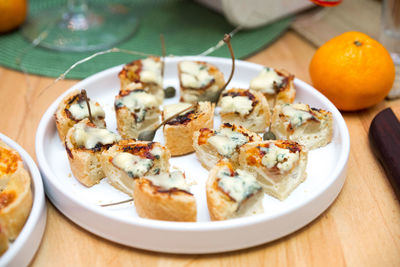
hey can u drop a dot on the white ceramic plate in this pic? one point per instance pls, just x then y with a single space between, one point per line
22 250
326 174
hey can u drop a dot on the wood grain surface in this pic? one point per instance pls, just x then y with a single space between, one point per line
361 228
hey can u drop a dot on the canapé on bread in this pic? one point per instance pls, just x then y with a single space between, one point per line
311 127
165 197
178 133
212 145
199 81
247 108
279 165
72 109
128 160
84 144
232 193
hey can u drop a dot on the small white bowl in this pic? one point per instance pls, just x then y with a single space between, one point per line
22 250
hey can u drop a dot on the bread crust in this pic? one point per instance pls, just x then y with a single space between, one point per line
118 177
259 117
64 122
178 137
3 240
172 205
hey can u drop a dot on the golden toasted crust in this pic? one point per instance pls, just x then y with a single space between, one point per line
154 203
3 240
64 122
178 136
258 118
192 95
119 178
314 133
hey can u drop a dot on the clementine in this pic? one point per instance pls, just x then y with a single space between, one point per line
12 14
353 70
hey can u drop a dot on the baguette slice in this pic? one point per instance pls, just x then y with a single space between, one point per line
247 108
232 193
280 166
84 144
276 85
146 74
165 197
199 81
136 111
128 160
72 109
212 145
310 127
178 133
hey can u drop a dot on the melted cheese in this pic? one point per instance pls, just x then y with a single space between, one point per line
264 82
169 181
172 109
240 186
282 158
89 137
79 110
194 75
133 165
227 141
297 116
151 71
137 102
240 104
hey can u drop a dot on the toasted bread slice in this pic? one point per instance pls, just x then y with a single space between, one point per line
84 144
15 193
129 160
136 111
280 166
146 74
178 133
72 109
312 128
232 193
212 145
247 108
276 85
199 81
165 197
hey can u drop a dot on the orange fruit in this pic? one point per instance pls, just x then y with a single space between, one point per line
12 14
353 70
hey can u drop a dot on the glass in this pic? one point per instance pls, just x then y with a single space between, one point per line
81 26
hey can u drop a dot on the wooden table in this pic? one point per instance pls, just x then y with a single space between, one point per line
361 228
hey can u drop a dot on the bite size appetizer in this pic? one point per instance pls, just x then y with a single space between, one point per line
247 108
73 108
178 133
15 195
165 197
232 193
310 127
213 145
128 160
280 166
276 85
199 81
84 144
136 111
146 73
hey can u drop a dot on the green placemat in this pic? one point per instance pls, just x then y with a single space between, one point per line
188 28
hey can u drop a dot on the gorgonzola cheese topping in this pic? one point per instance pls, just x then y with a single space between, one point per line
240 104
79 110
172 109
227 141
137 102
194 75
296 116
89 137
151 71
240 186
133 165
264 82
282 158
168 181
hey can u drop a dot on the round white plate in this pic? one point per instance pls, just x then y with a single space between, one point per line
326 174
22 250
